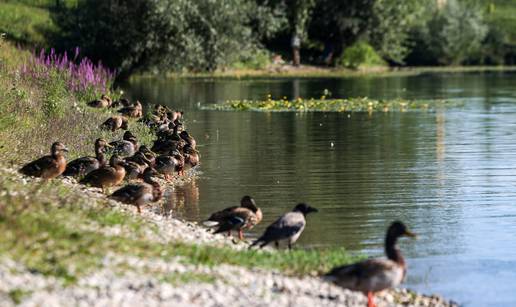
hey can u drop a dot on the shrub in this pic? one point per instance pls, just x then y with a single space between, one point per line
455 33
360 54
151 35
81 78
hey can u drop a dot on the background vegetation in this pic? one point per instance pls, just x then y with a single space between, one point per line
199 36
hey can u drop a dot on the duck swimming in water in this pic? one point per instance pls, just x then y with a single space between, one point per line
48 167
374 275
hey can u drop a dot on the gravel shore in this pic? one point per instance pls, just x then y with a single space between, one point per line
125 280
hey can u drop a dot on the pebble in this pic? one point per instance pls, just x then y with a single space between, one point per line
143 284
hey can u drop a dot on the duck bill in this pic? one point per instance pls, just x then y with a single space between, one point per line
312 209
410 234
108 145
65 149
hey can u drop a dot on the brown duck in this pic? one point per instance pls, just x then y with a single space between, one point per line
127 146
107 176
122 102
48 167
188 139
140 194
84 165
104 102
374 275
191 156
115 122
134 111
245 216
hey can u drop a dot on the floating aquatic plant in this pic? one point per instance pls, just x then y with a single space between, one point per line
323 104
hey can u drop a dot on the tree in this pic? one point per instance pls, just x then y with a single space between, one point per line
157 35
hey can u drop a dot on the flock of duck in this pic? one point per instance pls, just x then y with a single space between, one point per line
173 150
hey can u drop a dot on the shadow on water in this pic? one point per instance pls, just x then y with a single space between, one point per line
450 175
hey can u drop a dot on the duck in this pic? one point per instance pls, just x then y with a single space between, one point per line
104 102
180 164
50 166
148 154
127 146
134 111
287 227
107 176
84 165
166 165
245 216
374 275
168 141
133 170
140 194
188 139
114 123
191 156
122 102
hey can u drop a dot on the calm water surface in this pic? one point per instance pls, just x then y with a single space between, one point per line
450 175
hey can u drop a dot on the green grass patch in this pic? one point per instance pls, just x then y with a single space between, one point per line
17 295
26 24
323 104
41 227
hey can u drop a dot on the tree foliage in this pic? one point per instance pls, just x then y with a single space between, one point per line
175 35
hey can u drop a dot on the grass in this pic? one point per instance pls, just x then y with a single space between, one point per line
323 104
55 229
43 226
36 112
26 24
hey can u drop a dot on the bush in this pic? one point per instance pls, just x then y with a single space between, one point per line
360 54
455 33
178 35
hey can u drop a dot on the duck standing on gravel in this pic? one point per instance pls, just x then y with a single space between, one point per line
82 166
50 166
114 123
107 176
140 194
245 216
373 275
127 146
286 228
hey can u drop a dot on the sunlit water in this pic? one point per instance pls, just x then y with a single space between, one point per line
450 175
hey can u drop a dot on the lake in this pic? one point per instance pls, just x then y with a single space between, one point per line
449 175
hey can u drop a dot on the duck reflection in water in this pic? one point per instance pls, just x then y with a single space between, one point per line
182 200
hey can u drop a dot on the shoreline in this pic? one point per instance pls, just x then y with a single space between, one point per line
308 71
126 279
